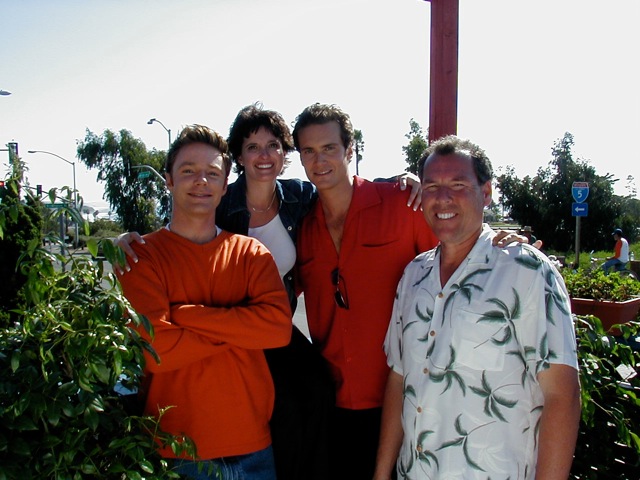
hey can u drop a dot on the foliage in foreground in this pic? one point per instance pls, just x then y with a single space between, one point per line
63 352
608 441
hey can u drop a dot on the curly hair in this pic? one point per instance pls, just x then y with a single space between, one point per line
249 120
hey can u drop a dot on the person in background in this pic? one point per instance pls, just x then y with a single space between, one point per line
215 301
620 253
484 372
527 231
352 249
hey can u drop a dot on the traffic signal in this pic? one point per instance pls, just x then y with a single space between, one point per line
3 190
39 190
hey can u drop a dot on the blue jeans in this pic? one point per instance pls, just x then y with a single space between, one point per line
252 466
614 264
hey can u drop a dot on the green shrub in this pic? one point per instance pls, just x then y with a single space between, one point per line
22 225
596 285
63 351
608 440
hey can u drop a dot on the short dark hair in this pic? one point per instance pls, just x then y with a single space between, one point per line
454 144
198 134
318 114
249 120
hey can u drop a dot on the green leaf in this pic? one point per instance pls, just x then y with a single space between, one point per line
92 246
15 360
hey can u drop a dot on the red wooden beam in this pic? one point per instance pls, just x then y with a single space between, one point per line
443 93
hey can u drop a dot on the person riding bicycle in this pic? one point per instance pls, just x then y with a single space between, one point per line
620 253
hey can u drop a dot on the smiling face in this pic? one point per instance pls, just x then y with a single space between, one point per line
323 155
197 180
262 156
453 199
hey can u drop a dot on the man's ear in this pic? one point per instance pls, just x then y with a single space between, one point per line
349 153
487 191
168 180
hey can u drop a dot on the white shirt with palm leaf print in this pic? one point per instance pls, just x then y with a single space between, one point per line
469 354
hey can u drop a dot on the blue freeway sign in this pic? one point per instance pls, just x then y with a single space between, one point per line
579 209
580 191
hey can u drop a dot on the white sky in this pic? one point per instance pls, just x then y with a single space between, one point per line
529 72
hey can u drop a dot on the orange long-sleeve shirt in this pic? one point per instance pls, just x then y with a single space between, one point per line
213 307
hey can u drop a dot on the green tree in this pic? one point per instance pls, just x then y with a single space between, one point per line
545 200
418 142
139 204
358 145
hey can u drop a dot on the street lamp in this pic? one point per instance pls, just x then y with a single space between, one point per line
167 129
75 191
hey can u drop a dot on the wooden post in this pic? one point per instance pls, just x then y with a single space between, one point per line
443 94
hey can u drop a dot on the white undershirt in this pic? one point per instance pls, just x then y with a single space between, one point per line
274 236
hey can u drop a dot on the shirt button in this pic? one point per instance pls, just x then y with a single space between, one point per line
440 295
419 449
425 370
289 228
419 409
432 333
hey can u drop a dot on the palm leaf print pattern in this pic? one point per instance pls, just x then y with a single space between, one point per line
487 375
463 440
448 374
493 402
465 288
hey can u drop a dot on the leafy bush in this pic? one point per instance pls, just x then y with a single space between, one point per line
103 228
22 225
596 285
608 441
63 352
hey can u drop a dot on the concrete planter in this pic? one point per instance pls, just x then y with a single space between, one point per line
610 313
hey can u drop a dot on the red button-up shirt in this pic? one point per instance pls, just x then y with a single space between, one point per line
381 236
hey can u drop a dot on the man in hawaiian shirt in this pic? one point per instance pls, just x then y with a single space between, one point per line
484 380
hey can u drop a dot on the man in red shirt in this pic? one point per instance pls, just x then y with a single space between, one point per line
352 249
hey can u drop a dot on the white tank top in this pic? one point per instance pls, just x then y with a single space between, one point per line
275 237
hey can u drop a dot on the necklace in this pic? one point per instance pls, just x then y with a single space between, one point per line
273 199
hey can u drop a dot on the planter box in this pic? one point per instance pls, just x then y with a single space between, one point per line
609 313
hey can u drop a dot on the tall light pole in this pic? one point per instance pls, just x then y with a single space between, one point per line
75 191
167 129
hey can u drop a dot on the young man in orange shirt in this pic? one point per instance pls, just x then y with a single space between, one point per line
215 301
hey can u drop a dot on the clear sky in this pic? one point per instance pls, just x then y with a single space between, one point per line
529 72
